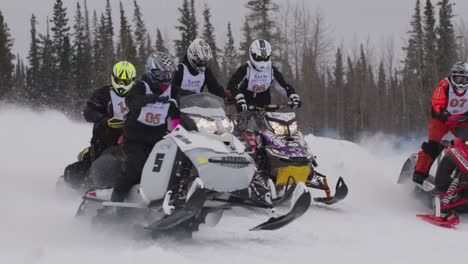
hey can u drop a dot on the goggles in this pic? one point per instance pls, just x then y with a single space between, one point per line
120 81
460 79
259 57
161 75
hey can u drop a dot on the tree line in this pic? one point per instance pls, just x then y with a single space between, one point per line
345 92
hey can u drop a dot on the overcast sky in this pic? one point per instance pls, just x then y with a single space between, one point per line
377 20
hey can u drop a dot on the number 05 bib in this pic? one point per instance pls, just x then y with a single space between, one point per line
154 114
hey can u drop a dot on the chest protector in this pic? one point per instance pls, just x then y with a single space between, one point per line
259 81
155 114
457 104
119 107
191 82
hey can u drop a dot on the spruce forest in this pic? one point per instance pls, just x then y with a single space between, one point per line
346 93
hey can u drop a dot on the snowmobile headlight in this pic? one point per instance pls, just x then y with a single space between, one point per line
228 125
205 125
279 129
293 128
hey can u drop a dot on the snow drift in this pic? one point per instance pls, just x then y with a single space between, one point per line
376 223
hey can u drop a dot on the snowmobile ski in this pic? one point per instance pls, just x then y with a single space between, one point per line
449 221
300 206
341 191
192 208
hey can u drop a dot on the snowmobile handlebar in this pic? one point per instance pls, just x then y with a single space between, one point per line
269 108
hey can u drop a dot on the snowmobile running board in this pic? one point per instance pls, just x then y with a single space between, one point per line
341 191
192 209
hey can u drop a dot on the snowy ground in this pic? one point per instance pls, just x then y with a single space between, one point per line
376 223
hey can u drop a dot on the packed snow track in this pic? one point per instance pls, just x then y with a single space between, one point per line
375 224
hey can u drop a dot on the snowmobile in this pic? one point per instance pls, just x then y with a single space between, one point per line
190 177
446 188
281 153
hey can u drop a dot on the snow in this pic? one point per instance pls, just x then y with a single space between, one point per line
376 223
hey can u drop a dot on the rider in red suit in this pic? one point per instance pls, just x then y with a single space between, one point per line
450 97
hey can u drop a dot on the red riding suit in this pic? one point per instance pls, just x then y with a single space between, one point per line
445 101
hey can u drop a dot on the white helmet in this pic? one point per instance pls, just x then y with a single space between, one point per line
260 54
199 54
459 76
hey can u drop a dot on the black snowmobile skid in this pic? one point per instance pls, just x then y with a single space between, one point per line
341 189
191 211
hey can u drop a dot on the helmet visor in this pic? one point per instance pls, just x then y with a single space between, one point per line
460 79
260 57
161 75
121 81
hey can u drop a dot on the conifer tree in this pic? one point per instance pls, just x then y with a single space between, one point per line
209 37
98 53
34 60
81 61
62 52
90 71
126 49
230 60
338 77
260 18
47 70
430 40
247 40
19 93
160 43
107 43
446 43
6 58
186 30
140 37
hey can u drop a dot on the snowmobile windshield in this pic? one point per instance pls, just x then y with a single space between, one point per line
203 104
461 132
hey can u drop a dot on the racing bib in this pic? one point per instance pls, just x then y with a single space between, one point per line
118 105
155 114
457 104
191 82
259 81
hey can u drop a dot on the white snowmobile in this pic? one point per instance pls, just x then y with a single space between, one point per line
282 155
191 176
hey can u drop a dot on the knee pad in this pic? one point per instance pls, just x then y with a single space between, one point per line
432 148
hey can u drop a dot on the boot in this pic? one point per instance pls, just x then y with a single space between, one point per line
419 177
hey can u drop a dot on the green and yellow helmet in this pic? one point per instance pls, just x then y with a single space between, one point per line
123 77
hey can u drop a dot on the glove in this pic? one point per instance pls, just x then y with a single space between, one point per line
241 104
115 122
295 101
444 114
154 98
